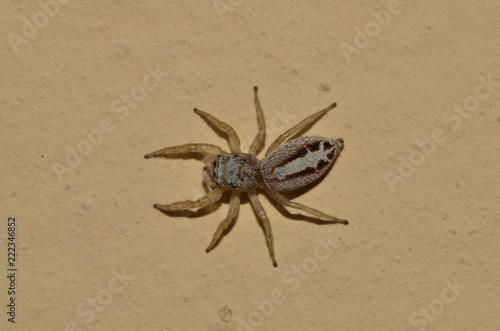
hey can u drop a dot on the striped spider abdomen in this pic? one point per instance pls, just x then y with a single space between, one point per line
299 162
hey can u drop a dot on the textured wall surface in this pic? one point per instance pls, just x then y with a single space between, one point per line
88 88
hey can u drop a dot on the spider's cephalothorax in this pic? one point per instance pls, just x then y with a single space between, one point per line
287 165
237 171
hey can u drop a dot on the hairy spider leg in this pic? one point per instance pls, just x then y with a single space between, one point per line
234 208
186 148
204 201
261 135
302 124
284 201
257 206
232 136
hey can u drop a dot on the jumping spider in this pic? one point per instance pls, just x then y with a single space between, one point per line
287 165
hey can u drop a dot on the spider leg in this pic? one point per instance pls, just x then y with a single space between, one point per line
232 136
234 208
261 135
257 206
187 148
284 201
302 124
204 201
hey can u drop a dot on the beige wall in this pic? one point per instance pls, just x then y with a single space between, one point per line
88 89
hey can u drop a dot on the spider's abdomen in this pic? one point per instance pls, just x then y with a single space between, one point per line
237 171
299 162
